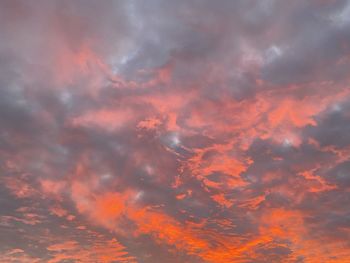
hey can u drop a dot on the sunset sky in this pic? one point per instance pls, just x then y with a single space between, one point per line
175 131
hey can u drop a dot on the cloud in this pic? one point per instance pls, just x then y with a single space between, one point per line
174 131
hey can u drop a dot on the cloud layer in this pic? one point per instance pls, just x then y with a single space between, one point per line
175 131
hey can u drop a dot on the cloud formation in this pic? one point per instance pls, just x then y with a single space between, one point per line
174 131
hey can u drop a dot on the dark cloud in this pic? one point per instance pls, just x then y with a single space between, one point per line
332 126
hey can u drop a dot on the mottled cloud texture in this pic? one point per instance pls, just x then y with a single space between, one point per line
182 131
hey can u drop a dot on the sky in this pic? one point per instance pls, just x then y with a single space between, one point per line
188 131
